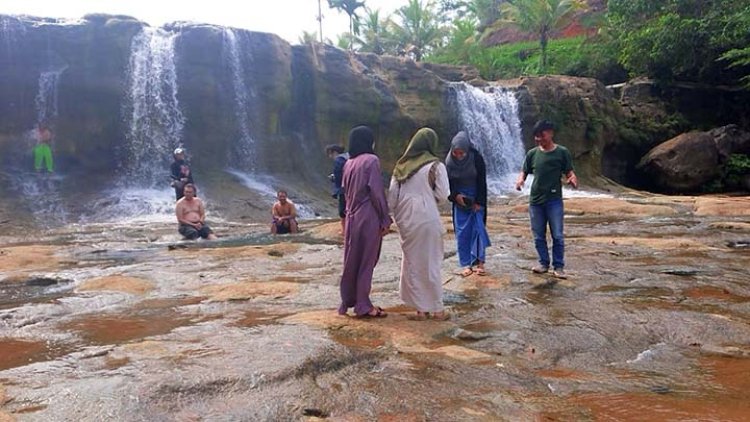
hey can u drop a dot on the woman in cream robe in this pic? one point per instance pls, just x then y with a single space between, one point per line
419 183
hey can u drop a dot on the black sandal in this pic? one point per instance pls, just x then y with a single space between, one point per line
379 313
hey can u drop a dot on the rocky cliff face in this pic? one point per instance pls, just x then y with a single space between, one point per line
287 101
120 96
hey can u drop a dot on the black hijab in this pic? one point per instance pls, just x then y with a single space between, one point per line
462 171
361 141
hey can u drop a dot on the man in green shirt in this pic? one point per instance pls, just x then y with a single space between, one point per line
548 162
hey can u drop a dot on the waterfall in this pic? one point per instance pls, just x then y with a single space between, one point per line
41 192
152 111
46 97
243 149
11 32
492 123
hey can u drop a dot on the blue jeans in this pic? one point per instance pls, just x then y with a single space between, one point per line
551 212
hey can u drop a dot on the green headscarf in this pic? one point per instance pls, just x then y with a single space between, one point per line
422 150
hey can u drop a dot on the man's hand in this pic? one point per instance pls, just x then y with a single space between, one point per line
519 183
572 180
460 200
477 207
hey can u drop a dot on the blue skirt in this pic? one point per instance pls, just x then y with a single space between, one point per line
471 234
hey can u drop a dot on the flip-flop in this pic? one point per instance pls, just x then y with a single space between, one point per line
481 271
379 313
467 272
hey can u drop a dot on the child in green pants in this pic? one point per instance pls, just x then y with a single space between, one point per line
42 150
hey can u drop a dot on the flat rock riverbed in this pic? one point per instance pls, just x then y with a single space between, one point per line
108 322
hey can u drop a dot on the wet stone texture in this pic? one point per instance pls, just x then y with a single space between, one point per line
653 320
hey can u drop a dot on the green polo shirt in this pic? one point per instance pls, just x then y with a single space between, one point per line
547 168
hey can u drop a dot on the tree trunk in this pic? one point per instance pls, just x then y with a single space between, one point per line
320 21
543 59
351 33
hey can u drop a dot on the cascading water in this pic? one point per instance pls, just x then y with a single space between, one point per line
243 154
11 32
155 124
264 187
41 191
243 151
46 97
153 113
492 123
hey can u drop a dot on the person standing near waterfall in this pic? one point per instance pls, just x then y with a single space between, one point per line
467 174
180 173
339 157
547 162
418 184
43 149
367 221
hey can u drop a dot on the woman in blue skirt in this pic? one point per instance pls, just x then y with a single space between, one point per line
467 175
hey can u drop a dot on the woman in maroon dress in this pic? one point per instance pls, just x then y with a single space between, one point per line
367 221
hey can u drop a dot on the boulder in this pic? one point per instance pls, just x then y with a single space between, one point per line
689 161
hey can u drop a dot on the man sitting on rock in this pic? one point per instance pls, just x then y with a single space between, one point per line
284 215
191 216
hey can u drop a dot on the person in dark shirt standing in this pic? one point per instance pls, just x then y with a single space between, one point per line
548 162
180 173
339 157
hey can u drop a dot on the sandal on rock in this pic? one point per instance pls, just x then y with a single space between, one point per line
441 316
467 272
419 316
481 271
379 313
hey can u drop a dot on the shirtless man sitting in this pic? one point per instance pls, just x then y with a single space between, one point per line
284 215
191 215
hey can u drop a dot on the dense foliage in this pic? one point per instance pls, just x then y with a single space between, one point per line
693 40
685 40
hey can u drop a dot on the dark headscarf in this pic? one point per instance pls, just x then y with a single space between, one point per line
420 152
462 171
361 141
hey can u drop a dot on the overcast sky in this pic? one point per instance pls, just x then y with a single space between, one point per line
287 18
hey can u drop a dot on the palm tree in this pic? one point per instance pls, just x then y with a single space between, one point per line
374 33
419 29
541 17
350 8
461 38
307 37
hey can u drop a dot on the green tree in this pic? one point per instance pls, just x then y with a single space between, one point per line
374 36
739 57
541 17
343 41
308 37
416 28
692 40
350 8
460 42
